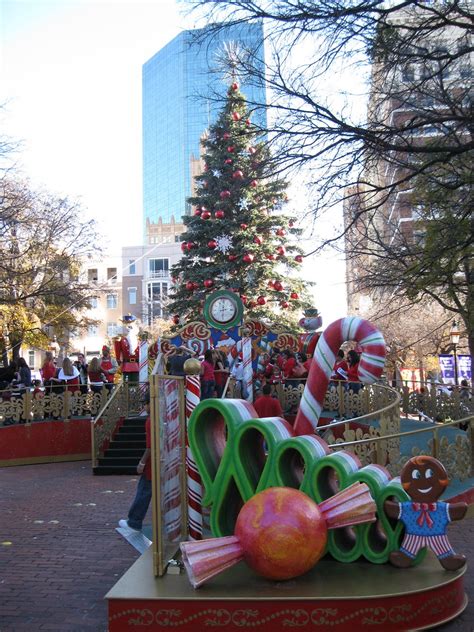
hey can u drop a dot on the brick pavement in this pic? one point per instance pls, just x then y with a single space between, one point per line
65 554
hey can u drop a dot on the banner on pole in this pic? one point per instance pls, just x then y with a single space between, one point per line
446 364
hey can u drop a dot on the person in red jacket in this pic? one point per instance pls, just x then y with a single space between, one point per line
340 369
266 405
353 359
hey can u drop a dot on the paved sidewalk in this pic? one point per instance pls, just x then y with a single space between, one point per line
65 553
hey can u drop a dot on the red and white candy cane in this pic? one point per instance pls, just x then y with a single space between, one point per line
143 366
193 397
171 487
372 362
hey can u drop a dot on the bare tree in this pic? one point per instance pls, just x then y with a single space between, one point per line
407 54
43 242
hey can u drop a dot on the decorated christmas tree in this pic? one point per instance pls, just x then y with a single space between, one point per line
237 236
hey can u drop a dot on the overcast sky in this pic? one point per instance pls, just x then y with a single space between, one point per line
71 81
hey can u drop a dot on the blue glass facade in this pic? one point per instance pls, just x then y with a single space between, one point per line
179 104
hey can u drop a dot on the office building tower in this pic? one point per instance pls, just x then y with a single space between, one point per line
182 95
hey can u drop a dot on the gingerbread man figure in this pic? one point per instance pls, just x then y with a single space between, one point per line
425 518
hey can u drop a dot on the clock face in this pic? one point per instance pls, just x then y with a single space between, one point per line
223 309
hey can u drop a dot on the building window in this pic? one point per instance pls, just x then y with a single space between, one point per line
112 329
112 301
131 266
92 275
158 267
94 301
132 295
92 330
111 274
31 358
157 291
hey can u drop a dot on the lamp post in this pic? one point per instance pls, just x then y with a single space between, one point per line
454 337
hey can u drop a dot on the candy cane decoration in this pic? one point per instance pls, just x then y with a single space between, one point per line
172 488
247 366
143 366
371 365
193 397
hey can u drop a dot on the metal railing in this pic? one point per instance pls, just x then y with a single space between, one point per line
24 406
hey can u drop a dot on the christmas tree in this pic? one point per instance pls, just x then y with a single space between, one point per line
237 237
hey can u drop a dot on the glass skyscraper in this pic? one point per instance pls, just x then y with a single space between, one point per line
180 85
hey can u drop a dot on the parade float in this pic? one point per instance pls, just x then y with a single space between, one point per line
276 528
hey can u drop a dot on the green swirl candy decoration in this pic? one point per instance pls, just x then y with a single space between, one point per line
239 455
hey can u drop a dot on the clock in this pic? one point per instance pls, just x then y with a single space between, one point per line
223 309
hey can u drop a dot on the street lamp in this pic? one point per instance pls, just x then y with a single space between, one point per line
454 337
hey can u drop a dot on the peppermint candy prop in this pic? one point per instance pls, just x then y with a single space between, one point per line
371 365
280 533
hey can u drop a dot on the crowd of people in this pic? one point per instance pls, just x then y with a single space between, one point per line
58 377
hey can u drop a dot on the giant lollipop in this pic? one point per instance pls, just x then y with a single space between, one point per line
281 533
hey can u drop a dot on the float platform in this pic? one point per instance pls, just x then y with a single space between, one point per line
332 596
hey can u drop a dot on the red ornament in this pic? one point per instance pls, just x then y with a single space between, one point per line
226 135
189 245
184 246
208 283
244 226
236 116
252 150
235 86
270 257
228 161
197 212
232 257
230 148
212 244
243 298
238 175
248 258
219 214
281 251
281 232
195 286
291 224
278 286
261 300
247 122
270 284
176 319
224 195
299 259
294 295
254 183
258 240
189 286
284 304
205 215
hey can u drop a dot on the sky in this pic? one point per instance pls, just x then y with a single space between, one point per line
70 79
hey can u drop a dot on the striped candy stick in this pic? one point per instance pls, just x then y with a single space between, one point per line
371 365
171 488
143 367
194 484
247 364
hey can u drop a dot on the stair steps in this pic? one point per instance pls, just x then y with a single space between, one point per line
125 450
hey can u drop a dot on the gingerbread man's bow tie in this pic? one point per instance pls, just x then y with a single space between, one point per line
424 509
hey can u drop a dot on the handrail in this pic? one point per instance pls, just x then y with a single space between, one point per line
107 403
401 434
119 387
367 415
